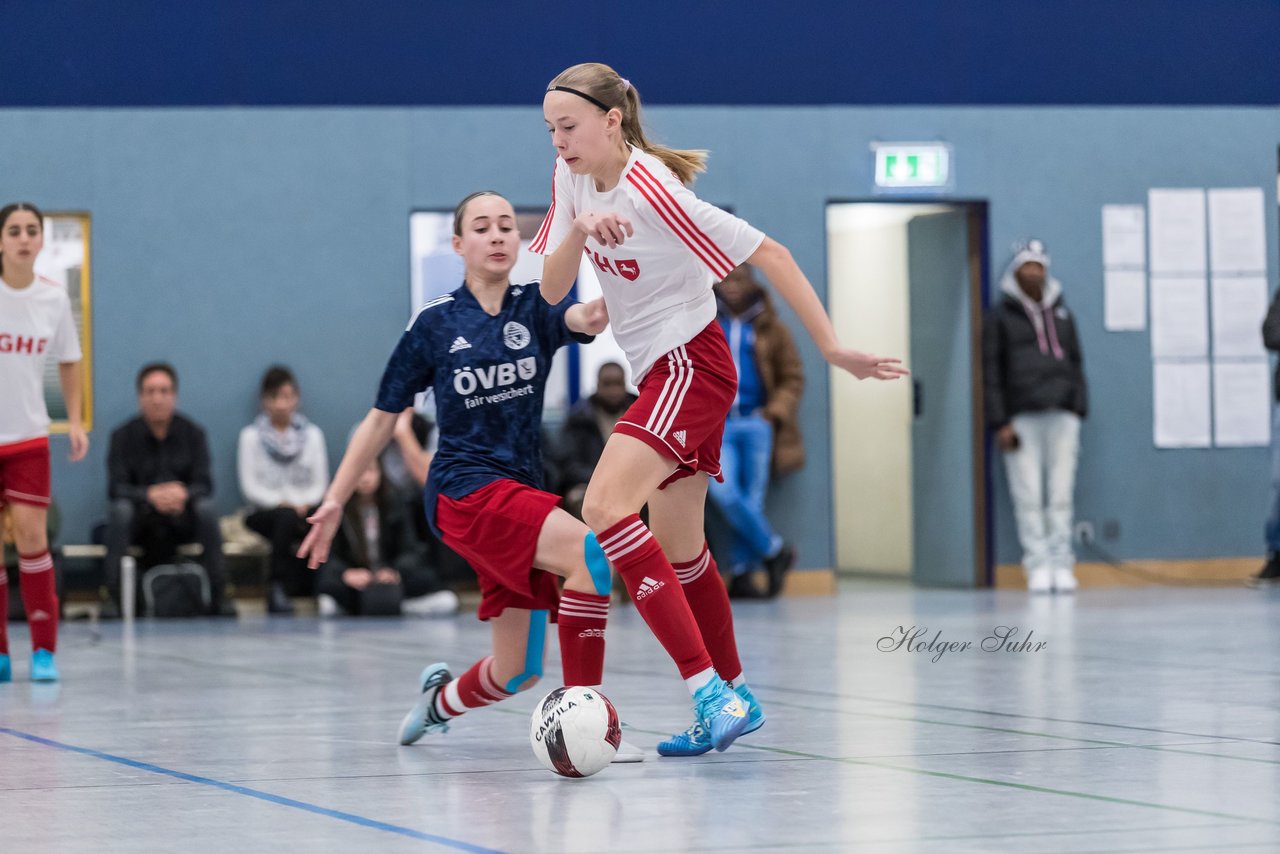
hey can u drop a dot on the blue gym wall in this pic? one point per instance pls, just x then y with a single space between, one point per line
228 238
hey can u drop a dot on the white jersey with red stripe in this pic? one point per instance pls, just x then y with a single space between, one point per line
657 284
35 325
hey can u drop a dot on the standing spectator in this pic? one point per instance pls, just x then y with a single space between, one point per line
1035 393
284 469
762 433
35 326
585 430
160 488
376 547
1270 573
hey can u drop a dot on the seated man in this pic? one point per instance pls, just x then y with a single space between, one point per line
160 487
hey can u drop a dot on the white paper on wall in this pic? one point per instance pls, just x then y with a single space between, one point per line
1125 300
1239 305
1242 403
1179 318
1181 417
1237 231
1124 236
1177 231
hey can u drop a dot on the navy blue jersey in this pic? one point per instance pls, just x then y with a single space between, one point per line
488 374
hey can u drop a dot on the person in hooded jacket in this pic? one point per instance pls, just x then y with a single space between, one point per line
1035 398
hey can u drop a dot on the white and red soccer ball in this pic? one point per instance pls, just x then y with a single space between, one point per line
575 732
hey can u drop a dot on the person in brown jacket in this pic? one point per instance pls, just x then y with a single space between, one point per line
762 435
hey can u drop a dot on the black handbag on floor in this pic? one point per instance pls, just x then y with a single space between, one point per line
176 590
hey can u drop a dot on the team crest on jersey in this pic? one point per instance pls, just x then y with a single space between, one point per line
527 368
515 336
627 268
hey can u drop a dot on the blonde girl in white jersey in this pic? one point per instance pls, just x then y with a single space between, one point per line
35 325
623 201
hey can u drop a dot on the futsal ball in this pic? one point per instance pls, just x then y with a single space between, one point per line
575 732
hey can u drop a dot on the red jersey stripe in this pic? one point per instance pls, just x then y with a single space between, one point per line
715 250
668 218
540 240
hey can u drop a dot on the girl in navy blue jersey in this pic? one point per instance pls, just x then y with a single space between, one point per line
486 351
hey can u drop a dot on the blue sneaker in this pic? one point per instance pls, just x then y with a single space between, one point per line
43 667
694 741
423 717
755 714
6 669
721 712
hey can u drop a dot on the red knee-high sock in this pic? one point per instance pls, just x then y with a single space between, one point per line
472 690
4 611
581 623
709 601
653 586
40 598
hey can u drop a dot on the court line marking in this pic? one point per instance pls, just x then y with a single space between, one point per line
831 695
1026 787
350 818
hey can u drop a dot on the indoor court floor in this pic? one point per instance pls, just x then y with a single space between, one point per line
1148 721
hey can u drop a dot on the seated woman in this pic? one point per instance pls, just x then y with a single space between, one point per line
284 469
377 565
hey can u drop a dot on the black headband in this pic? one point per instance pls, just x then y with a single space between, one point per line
601 104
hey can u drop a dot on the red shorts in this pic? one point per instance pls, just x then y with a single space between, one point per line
24 473
684 400
496 530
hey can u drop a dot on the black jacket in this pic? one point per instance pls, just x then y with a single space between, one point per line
1021 371
1271 335
138 459
581 444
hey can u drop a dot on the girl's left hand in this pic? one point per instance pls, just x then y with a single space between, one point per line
79 443
866 366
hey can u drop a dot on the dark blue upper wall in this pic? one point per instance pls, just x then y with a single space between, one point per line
390 52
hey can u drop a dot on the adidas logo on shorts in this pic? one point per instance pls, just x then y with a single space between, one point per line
647 586
680 436
459 343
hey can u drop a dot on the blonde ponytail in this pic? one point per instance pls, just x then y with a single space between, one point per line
605 86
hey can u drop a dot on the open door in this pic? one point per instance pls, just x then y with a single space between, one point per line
947 514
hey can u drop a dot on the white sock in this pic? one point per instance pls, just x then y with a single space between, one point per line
738 681
697 680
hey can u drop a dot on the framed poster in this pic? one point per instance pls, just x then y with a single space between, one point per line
65 260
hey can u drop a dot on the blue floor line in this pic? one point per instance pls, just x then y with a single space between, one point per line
350 818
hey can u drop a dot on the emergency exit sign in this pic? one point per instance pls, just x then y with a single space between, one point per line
912 165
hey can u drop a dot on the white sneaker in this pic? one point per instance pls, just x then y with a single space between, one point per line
327 606
1040 581
440 604
628 753
1064 581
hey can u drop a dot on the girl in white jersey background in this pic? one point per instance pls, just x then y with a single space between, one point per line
658 250
35 325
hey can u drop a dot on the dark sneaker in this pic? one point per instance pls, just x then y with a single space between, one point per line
778 566
744 586
277 601
1269 574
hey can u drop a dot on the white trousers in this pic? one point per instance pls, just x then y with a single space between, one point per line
1046 456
